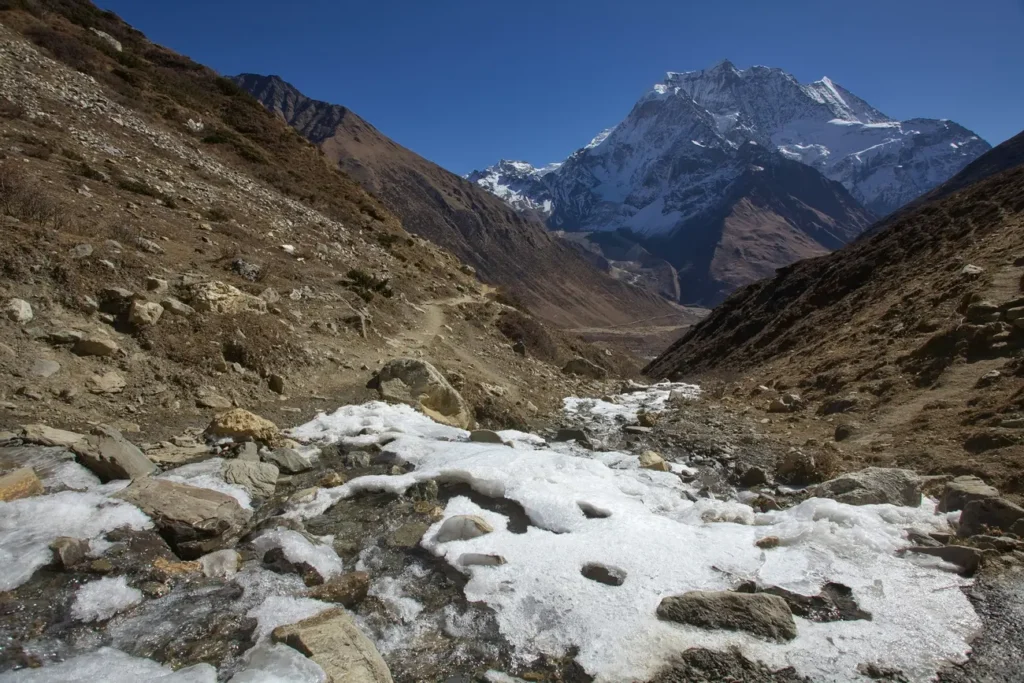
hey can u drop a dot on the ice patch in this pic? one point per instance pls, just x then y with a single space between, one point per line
100 600
28 526
624 407
111 666
208 474
279 610
297 548
278 664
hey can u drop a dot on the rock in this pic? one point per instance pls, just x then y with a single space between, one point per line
270 295
110 456
331 480
485 436
839 405
419 384
800 468
48 436
288 460
276 383
68 551
80 251
218 297
968 559
462 528
348 589
215 401
584 368
116 300
149 246
872 486
194 521
277 561
221 564
480 560
21 483
754 476
649 460
576 434
408 535
646 418
762 614
156 285
175 307
18 310
636 430
258 478
94 346
844 430
609 576
988 513
173 456
44 368
144 313
962 491
971 270
988 379
248 451
112 382
246 270
519 348
65 336
768 542
242 425
787 403
333 641
835 602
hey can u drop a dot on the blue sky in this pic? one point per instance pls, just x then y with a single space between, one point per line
465 83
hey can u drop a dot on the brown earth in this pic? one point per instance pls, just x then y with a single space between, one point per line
894 335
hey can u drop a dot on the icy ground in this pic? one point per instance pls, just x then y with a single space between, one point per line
638 521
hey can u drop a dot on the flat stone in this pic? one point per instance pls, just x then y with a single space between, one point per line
110 456
215 401
962 491
462 528
408 535
968 559
580 436
485 436
174 456
112 382
988 513
347 589
94 346
257 478
65 336
288 460
636 430
872 486
609 576
48 436
175 307
761 614
44 368
193 520
332 640
480 560
21 483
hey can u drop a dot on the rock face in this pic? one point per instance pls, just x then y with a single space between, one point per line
242 425
872 486
988 513
764 615
334 642
21 483
963 490
194 521
419 384
584 368
218 297
258 478
110 456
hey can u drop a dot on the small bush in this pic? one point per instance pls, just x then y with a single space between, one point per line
138 187
64 48
388 241
218 214
366 285
21 198
86 171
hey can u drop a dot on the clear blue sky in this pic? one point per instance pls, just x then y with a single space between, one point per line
467 82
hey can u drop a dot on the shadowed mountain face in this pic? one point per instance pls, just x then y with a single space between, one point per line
557 282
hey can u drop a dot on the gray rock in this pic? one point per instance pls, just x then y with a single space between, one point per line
968 559
839 405
584 368
287 460
872 486
962 491
609 576
348 589
110 456
68 551
49 436
276 383
175 307
462 528
332 640
480 560
147 245
988 513
80 251
576 434
248 452
94 346
144 313
194 521
156 285
485 436
44 367
65 336
787 403
419 384
18 310
215 401
270 295
762 614
258 478
112 382
754 476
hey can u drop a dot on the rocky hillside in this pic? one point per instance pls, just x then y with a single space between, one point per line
914 331
553 280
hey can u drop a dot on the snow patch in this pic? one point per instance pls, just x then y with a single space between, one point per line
100 600
111 666
297 548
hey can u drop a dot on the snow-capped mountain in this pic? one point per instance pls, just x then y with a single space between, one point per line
518 183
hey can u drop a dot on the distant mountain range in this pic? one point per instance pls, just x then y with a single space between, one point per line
728 174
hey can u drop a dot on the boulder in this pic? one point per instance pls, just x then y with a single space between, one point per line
21 483
601 573
485 436
193 520
462 528
584 368
68 551
18 310
112 382
649 460
48 436
110 456
175 307
93 345
156 285
988 513
332 640
419 384
968 559
347 589
287 460
754 476
144 313
872 486
221 564
242 425
963 490
761 614
800 468
218 297
259 479
787 403
248 451
44 367
576 434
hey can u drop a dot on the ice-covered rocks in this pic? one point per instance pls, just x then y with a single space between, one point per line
336 644
194 520
462 528
102 599
764 615
419 384
289 552
873 486
259 479
276 663
110 456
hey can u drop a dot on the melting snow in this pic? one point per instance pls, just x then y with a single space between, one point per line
111 666
208 474
100 600
297 548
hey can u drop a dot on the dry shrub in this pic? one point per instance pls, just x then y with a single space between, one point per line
22 199
64 48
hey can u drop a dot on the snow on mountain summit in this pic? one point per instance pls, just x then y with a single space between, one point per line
518 183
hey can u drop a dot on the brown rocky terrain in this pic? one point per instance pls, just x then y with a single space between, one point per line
513 251
906 345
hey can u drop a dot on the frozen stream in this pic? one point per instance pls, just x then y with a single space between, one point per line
637 521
